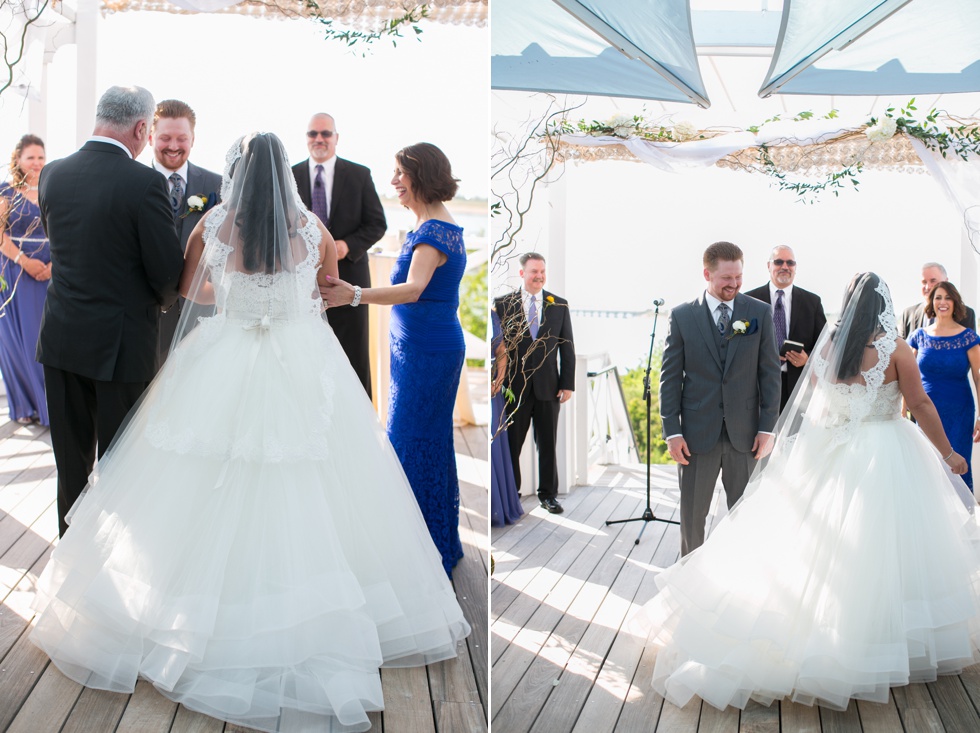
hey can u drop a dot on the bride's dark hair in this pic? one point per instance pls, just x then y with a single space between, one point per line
265 190
861 310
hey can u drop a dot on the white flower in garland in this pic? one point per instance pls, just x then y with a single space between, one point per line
622 125
685 130
883 130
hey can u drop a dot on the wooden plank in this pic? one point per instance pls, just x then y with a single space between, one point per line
188 721
954 706
576 600
407 705
680 720
566 552
49 704
758 718
841 721
20 671
377 722
96 710
614 679
538 637
147 712
714 720
878 717
642 706
916 709
457 717
802 718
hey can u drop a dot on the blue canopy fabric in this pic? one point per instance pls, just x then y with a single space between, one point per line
642 49
876 47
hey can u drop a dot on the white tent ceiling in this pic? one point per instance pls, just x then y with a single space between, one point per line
876 47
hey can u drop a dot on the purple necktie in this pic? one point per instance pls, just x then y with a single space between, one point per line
779 318
532 318
320 197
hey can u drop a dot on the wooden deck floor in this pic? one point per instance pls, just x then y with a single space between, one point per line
563 590
449 697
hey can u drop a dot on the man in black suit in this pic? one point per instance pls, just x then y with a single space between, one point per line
342 195
802 316
115 261
193 191
537 332
914 316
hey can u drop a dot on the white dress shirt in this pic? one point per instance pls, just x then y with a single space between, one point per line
713 304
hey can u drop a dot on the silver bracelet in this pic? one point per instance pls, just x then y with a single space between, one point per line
951 452
357 297
20 253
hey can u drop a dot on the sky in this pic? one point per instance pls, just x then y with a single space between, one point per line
242 74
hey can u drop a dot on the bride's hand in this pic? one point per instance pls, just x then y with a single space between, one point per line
336 292
957 464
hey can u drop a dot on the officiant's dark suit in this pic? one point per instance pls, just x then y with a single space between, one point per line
115 261
541 374
806 316
718 395
357 218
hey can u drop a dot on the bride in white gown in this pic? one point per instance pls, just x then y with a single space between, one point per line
851 564
250 544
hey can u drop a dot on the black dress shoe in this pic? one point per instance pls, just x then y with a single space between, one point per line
552 506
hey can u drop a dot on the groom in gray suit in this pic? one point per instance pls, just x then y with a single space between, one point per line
719 389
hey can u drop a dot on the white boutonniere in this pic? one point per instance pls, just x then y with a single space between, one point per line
740 328
195 203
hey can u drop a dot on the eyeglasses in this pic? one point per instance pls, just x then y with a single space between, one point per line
788 263
325 134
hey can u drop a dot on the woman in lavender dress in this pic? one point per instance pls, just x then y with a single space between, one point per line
25 264
505 502
947 353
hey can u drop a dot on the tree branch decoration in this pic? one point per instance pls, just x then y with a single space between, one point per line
391 29
21 14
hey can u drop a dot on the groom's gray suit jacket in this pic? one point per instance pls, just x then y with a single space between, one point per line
708 381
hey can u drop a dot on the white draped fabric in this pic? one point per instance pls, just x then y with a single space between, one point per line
675 157
960 181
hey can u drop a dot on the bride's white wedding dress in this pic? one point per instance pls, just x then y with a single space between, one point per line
250 543
850 566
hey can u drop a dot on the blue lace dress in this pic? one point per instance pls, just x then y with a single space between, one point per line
426 362
945 369
20 325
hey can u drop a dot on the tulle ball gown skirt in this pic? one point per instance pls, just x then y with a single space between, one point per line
846 569
250 544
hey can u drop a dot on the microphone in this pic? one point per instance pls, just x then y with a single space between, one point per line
658 302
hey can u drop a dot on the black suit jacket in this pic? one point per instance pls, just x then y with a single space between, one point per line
914 317
356 215
549 360
115 261
806 322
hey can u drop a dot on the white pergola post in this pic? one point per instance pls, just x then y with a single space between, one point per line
86 38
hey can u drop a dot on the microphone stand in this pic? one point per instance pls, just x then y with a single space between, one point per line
648 515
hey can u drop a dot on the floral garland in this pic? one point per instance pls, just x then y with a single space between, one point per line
949 135
626 127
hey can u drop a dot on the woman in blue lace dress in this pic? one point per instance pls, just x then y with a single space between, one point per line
947 353
25 263
426 340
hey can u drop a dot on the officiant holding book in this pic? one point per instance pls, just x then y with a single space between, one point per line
797 315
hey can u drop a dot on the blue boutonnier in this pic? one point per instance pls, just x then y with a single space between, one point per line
743 328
